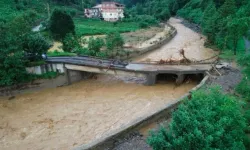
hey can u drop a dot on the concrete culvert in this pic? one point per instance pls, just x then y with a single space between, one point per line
165 78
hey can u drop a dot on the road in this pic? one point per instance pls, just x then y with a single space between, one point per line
131 67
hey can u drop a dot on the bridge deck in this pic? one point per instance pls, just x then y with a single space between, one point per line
131 67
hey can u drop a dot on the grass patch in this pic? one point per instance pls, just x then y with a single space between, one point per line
94 26
60 54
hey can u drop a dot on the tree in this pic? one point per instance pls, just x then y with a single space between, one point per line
210 120
228 8
209 21
244 87
237 27
36 44
12 63
61 24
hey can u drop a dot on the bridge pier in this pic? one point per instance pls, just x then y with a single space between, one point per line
180 79
150 79
67 75
74 75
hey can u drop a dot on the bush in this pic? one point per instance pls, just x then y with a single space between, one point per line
85 52
114 41
210 120
102 55
36 44
71 43
95 44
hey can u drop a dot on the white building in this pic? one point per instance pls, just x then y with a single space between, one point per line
110 11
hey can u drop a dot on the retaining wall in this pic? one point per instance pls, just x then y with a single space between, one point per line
139 51
41 69
108 141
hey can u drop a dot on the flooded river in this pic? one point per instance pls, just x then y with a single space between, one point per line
66 117
188 40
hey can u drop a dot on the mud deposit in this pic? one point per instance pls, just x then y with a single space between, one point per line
66 117
191 42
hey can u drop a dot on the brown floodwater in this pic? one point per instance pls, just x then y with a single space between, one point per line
191 42
66 117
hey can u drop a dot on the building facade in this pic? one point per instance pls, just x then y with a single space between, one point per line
108 11
92 13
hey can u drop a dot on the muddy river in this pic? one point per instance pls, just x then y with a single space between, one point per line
188 40
66 117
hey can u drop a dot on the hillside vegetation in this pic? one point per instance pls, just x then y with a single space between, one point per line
224 22
195 124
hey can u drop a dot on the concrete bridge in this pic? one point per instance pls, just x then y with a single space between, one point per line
115 67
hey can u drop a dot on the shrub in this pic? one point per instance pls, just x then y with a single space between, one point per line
95 44
102 55
71 42
85 52
114 41
210 120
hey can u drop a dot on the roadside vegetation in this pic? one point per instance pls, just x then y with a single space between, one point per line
60 54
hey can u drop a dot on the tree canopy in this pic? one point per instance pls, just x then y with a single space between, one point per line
61 24
210 120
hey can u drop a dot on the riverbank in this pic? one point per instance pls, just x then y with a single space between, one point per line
228 79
